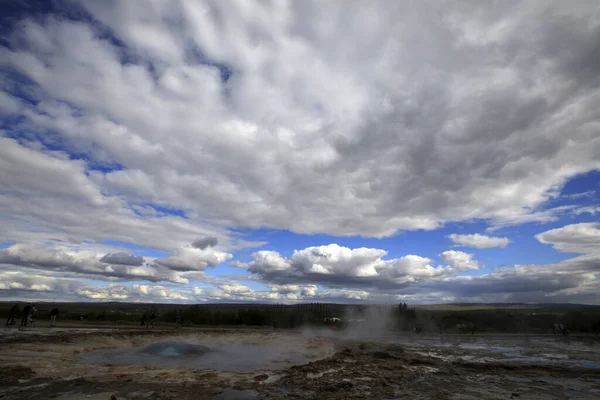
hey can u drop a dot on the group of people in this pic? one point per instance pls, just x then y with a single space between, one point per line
27 316
466 328
561 329
152 319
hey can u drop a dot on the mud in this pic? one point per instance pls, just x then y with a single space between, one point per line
71 364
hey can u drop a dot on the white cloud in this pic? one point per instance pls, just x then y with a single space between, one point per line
73 261
193 259
342 295
339 266
409 278
580 195
479 241
460 260
587 210
575 238
122 258
413 277
32 285
318 129
310 149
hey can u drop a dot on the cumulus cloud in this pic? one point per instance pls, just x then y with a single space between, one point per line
203 243
293 279
122 258
338 266
460 260
479 241
32 285
414 278
575 238
310 149
193 259
156 125
55 195
86 263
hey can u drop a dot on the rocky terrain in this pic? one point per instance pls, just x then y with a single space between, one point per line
40 365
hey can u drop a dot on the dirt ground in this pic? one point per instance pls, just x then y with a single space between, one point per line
48 364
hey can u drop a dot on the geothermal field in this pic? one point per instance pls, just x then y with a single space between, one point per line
188 363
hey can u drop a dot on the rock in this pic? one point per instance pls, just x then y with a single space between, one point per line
382 355
343 385
261 377
113 397
348 351
16 374
515 394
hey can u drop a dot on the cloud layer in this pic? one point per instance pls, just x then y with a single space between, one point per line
415 278
321 273
174 125
361 140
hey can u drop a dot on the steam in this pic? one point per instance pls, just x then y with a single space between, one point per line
366 323
370 323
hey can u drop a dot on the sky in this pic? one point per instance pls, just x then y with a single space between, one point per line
300 151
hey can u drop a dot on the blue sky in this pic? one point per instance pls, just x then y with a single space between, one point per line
202 152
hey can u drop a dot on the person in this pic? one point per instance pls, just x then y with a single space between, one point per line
152 318
31 314
178 319
53 315
143 322
14 311
25 316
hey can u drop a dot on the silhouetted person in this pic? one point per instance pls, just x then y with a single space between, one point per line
12 314
178 319
152 319
31 314
25 316
53 315
143 321
440 326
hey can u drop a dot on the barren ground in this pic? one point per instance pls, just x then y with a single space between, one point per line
69 364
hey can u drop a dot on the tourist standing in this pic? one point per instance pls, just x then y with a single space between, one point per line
53 315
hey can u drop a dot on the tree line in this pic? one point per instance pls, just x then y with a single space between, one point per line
400 317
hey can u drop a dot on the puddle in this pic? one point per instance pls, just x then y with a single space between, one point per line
194 355
174 349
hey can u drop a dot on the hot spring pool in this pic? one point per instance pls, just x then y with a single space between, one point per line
213 356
